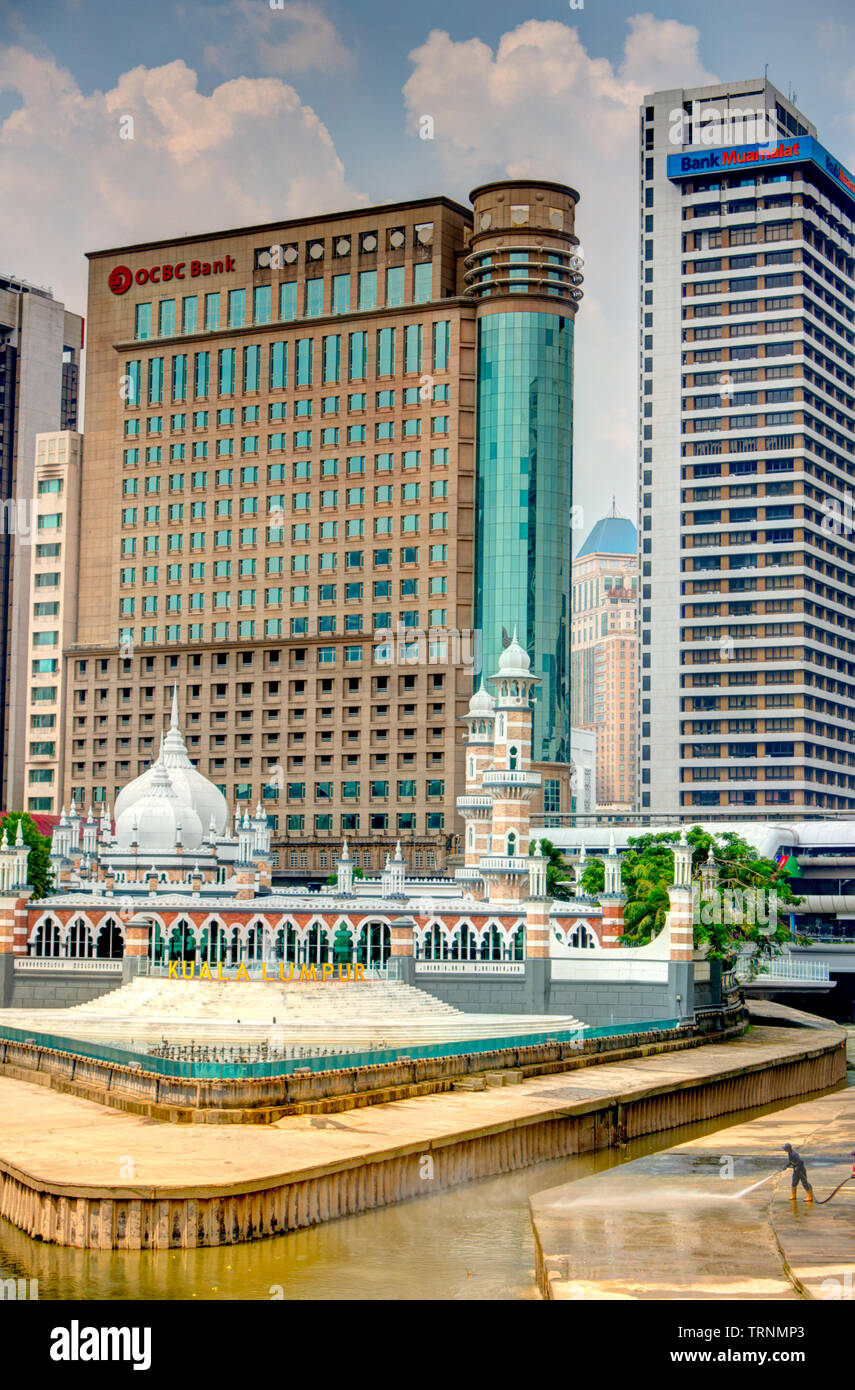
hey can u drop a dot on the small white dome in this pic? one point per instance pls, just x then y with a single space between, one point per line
514 661
482 703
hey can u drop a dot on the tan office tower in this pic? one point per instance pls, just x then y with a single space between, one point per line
604 654
280 468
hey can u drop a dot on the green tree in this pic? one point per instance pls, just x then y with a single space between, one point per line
39 874
357 873
647 871
559 879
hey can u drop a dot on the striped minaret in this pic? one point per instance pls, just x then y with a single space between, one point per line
613 900
681 902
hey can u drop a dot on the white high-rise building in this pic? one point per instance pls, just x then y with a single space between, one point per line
747 453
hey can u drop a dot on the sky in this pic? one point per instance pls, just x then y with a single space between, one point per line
247 111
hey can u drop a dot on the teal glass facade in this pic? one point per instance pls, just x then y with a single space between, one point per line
524 495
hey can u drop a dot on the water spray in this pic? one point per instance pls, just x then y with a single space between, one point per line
745 1191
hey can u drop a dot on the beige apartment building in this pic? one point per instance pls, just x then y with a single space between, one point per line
604 652
280 467
54 561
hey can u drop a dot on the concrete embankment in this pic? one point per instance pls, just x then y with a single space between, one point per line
136 1085
76 1173
710 1219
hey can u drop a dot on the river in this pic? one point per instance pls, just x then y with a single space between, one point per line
474 1242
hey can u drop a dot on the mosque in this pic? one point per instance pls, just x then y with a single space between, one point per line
171 875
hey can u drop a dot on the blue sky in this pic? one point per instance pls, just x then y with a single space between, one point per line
325 115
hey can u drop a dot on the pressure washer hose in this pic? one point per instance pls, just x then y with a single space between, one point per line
821 1201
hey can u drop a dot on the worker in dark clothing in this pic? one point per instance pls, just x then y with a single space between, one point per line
797 1163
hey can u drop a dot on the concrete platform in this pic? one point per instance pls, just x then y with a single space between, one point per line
77 1173
681 1225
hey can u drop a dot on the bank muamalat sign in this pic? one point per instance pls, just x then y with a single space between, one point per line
121 277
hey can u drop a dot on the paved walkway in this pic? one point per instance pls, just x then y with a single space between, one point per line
61 1144
674 1226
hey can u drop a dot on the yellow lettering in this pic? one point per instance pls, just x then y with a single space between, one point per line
326 971
205 972
359 972
220 975
173 970
192 969
290 974
243 973
346 970
311 974
264 974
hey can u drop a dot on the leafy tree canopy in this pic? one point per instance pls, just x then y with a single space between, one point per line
647 871
39 874
559 880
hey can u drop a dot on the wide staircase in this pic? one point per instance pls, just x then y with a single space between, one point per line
336 1013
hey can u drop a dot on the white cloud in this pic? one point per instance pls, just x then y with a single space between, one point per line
542 105
249 152
293 37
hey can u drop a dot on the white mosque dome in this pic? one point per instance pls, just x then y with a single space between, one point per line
195 795
514 661
152 821
482 702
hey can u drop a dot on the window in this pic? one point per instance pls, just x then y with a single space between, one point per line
288 301
142 322
394 286
305 367
212 312
237 308
261 304
314 298
413 347
422 282
357 356
386 352
367 289
441 345
341 294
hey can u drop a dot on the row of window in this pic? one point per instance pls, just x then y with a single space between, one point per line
170 316
300 470
275 564
410 524
236 369
227 416
273 627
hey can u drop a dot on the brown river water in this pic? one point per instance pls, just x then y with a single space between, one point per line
474 1242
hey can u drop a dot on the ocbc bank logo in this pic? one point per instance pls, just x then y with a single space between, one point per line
120 279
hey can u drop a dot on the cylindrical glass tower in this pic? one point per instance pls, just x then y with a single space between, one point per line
524 271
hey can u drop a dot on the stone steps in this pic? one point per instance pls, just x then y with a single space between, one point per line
345 1015
321 1033
250 1001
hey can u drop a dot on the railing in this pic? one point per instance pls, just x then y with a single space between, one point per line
752 971
143 1061
503 864
505 775
67 964
266 971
